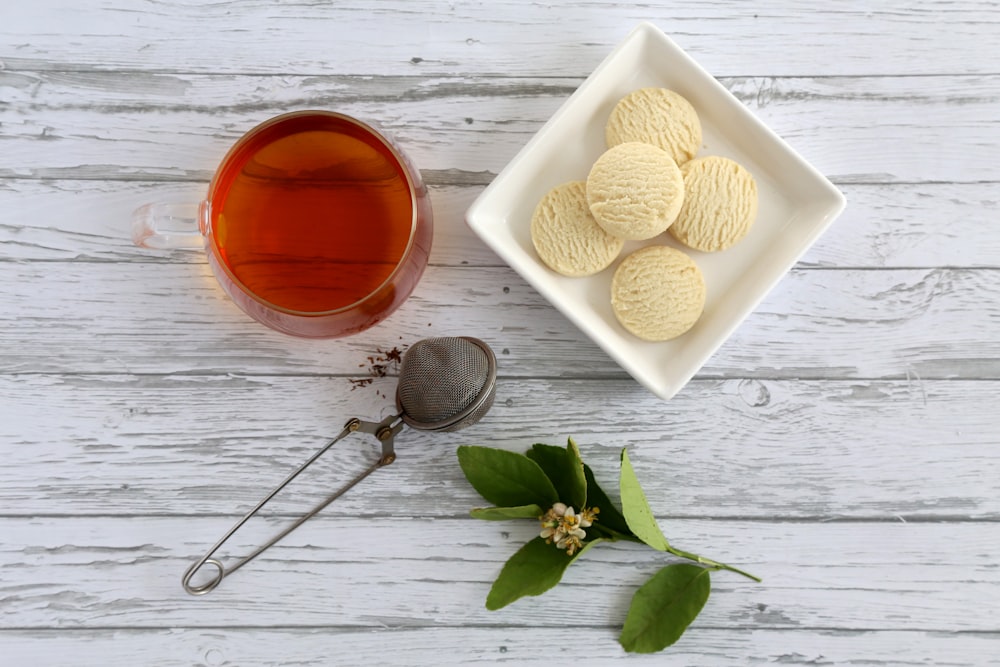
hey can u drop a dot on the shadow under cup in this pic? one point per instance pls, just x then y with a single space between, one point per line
316 225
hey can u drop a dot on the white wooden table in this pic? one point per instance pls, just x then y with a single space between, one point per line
844 444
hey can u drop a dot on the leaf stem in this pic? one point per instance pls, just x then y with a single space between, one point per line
711 563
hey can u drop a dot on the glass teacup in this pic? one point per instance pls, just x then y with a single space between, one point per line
315 224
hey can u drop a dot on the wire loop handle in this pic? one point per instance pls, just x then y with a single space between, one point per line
385 431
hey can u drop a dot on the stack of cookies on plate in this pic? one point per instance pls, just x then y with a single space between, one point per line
648 182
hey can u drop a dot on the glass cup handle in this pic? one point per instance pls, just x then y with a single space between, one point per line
166 226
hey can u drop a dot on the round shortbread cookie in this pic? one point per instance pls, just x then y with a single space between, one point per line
567 237
720 204
658 293
656 116
635 191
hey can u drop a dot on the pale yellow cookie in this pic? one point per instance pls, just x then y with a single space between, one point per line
567 237
656 116
720 204
635 191
658 293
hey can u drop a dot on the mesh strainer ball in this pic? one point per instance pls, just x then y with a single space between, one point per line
446 384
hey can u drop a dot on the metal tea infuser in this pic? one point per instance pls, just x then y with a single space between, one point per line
445 384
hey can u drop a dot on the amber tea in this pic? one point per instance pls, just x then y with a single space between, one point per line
312 213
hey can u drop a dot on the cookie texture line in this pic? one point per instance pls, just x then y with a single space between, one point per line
658 293
566 236
720 204
656 116
635 191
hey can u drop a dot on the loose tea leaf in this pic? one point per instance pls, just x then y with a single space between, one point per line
664 607
506 479
534 569
565 469
504 513
636 509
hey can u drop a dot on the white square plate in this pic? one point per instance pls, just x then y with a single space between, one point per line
796 204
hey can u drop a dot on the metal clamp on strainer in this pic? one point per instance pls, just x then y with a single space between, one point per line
445 384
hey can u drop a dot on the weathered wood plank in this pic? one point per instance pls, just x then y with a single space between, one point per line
739 448
503 37
60 317
102 572
325 646
854 129
90 221
885 226
843 444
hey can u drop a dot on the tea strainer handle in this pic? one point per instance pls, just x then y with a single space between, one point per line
385 431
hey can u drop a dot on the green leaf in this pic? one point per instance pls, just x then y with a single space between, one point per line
503 513
534 569
565 469
506 479
609 517
664 607
609 534
552 461
636 509
575 478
